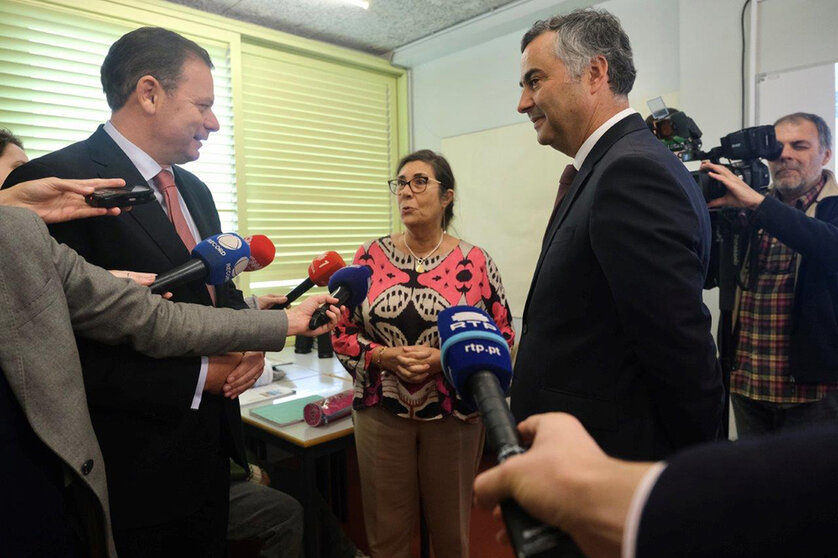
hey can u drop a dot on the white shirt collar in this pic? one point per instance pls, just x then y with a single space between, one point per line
589 143
147 166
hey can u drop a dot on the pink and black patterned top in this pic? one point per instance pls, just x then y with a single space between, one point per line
401 309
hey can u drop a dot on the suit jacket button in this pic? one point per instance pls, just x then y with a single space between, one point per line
524 329
86 467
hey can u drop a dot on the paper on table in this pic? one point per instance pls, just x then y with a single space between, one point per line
270 391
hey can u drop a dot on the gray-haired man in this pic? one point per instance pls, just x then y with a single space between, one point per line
614 328
786 362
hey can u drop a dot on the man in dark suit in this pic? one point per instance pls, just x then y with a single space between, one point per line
614 328
166 441
770 496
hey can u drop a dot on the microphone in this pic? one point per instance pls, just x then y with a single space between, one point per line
262 252
349 285
475 360
215 259
319 273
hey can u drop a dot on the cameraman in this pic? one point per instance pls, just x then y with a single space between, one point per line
786 320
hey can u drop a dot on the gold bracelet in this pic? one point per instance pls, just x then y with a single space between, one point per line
378 357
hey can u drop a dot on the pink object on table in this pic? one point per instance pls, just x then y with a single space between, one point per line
329 409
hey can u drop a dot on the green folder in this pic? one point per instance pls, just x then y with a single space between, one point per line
287 412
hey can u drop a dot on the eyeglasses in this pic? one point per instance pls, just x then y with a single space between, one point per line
417 184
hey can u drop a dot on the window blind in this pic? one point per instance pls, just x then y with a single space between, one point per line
321 140
51 95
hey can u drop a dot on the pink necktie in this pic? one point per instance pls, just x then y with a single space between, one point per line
165 182
565 181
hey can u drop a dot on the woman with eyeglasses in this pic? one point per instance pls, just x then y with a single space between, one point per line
415 440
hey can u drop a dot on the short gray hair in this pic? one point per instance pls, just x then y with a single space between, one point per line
824 133
582 35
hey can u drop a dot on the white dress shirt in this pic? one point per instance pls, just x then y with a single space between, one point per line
149 168
590 142
638 502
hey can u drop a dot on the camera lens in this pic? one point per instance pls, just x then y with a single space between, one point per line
710 187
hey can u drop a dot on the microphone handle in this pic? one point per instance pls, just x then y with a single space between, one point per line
295 293
529 537
319 317
190 271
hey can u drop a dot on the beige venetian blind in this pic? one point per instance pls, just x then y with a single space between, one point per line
51 95
319 144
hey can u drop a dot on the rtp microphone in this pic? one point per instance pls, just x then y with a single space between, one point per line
349 285
475 360
319 272
262 251
215 259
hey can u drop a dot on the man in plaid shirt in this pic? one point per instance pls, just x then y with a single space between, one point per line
786 322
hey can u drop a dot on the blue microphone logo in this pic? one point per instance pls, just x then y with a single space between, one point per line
225 255
471 342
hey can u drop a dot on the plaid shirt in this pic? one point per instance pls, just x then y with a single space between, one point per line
764 325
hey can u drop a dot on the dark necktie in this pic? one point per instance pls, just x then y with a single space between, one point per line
565 181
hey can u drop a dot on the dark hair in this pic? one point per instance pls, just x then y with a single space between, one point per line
824 133
582 35
6 137
146 51
442 171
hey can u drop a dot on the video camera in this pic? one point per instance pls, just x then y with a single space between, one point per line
744 148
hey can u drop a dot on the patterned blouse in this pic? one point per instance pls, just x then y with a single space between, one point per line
401 309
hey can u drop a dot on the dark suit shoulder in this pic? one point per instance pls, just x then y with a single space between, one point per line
67 162
778 491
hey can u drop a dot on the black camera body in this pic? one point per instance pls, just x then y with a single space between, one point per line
747 146
752 172
744 148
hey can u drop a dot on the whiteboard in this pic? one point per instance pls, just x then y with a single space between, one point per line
506 185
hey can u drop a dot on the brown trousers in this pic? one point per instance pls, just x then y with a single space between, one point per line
402 460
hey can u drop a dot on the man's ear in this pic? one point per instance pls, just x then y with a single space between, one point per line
597 73
148 92
827 156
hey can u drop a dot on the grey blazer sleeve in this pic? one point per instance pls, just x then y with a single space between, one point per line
114 310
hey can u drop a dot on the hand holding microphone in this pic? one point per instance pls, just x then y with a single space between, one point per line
300 317
349 286
476 361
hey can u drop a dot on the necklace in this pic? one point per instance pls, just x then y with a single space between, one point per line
419 263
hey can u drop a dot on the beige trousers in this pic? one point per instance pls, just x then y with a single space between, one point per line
402 460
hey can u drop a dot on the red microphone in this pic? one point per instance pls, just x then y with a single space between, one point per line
319 273
262 252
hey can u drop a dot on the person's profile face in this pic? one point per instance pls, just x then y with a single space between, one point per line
550 97
799 167
185 118
11 158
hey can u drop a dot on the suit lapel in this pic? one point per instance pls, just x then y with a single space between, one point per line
625 126
150 217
